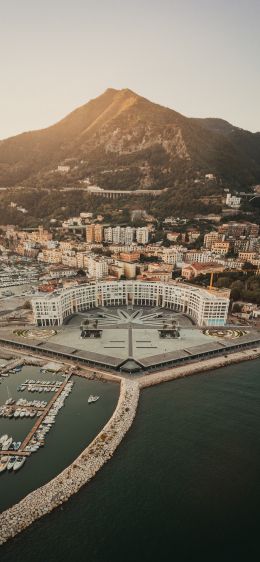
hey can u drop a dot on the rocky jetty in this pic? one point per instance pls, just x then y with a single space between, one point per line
196 368
54 493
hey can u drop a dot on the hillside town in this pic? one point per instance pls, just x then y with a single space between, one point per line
86 248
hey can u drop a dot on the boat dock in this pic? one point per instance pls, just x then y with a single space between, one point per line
39 420
12 453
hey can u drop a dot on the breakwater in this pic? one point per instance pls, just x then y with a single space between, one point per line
198 367
46 498
68 482
20 362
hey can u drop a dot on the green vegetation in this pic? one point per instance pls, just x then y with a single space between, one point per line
244 286
122 141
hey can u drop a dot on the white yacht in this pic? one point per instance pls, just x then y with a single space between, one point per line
92 398
19 463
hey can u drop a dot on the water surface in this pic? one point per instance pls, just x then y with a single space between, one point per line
76 425
183 486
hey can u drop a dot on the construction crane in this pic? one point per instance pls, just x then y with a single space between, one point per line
212 273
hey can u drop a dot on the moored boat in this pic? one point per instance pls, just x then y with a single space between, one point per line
3 463
11 463
7 444
19 463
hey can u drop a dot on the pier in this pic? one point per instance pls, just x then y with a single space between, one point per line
12 453
82 470
39 420
53 494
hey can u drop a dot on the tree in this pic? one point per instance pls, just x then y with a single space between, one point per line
236 307
81 273
248 265
235 294
223 282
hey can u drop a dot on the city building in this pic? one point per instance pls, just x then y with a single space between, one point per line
119 235
212 237
221 248
233 201
206 308
94 233
97 267
142 235
192 270
237 229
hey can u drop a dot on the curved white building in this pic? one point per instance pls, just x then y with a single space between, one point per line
206 308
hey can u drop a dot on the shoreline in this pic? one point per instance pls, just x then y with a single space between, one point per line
54 493
45 499
195 368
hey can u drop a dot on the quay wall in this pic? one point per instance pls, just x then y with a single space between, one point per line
20 362
49 496
69 481
198 367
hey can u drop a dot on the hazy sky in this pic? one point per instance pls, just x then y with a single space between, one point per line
199 57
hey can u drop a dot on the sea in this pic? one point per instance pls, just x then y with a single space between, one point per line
183 486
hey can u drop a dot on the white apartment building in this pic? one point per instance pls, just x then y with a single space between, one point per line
108 234
50 256
129 234
119 235
204 307
142 235
233 201
197 257
174 255
97 267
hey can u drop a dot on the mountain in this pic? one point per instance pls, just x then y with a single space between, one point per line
122 140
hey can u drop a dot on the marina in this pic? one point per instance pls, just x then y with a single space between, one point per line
45 412
75 425
84 467
22 408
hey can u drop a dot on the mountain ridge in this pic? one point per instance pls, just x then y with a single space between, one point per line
122 139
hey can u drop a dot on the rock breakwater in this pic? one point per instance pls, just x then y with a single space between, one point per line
62 487
196 368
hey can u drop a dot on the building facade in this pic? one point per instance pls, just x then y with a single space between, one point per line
204 307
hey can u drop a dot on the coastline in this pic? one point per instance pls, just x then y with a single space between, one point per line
198 367
58 490
45 499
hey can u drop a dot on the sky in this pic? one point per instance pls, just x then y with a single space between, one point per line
199 57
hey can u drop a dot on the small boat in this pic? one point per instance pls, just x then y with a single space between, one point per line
3 463
11 463
7 444
3 438
19 463
92 399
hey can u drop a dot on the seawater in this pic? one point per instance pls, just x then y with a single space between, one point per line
76 425
183 486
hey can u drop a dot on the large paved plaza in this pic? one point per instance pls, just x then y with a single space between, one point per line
132 339
130 333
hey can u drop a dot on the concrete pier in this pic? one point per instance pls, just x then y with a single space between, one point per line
43 416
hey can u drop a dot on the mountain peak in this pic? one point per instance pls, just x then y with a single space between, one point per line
122 140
